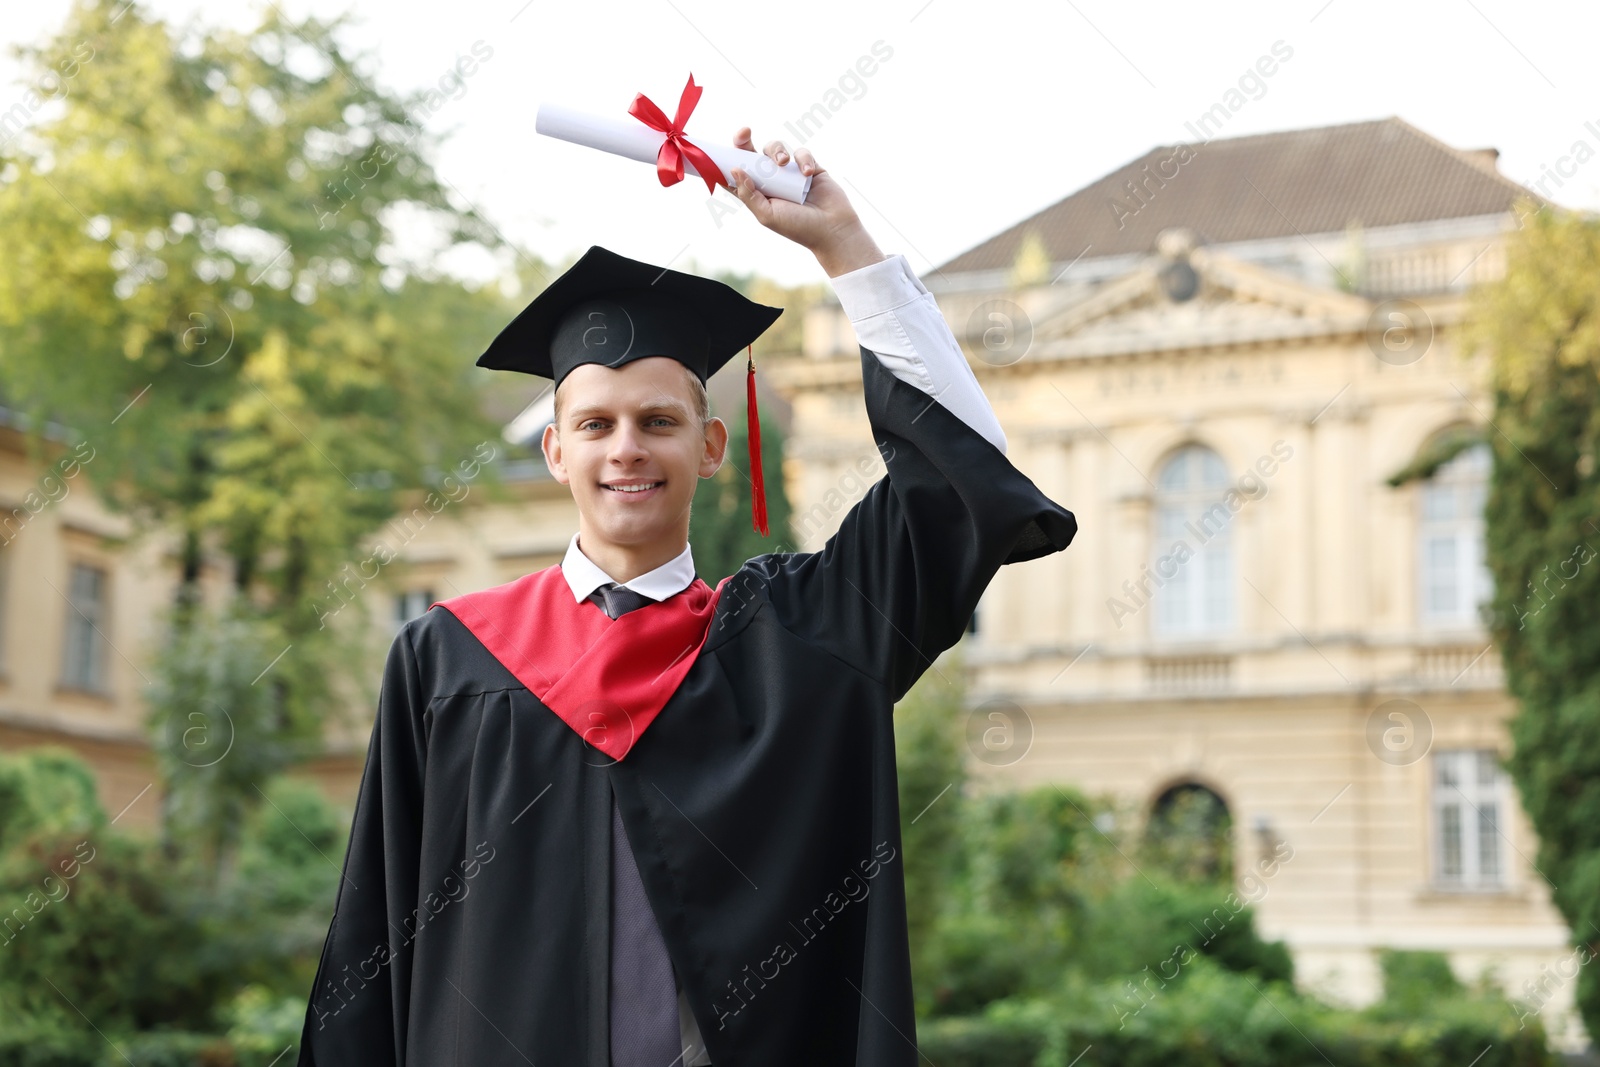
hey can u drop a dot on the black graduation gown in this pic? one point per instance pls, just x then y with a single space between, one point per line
472 919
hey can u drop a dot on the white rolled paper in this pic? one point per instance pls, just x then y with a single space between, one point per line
633 139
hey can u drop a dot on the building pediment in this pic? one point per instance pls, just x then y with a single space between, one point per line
1199 299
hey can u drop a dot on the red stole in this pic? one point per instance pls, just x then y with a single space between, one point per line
606 678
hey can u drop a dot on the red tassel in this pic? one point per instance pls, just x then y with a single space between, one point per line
758 489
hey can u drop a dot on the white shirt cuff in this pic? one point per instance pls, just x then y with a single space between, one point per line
897 319
878 287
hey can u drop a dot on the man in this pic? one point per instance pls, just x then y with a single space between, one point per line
611 816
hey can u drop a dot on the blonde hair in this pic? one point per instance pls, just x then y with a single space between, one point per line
701 404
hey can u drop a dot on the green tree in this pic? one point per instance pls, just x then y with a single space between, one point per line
202 281
46 789
1023 867
931 774
1414 979
721 531
100 921
1540 325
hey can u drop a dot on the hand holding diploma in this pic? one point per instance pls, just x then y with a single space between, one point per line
649 136
826 223
788 193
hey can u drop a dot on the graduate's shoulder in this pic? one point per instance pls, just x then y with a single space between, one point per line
437 624
760 585
779 591
448 658
450 623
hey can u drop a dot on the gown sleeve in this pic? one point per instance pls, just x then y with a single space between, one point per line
359 1002
898 582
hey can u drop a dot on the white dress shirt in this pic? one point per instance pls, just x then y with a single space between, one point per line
584 576
897 319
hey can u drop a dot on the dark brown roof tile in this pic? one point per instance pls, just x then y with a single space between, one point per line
1380 173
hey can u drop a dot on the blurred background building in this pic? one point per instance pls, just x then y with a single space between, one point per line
1218 356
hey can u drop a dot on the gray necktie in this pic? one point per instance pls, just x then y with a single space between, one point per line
644 993
617 600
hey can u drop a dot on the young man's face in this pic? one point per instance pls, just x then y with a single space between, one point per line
630 444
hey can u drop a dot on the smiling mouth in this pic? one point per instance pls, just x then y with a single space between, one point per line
641 487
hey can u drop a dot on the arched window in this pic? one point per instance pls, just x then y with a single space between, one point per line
1453 577
1190 834
1196 591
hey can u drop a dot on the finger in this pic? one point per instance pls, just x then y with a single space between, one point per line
741 139
779 154
753 198
808 162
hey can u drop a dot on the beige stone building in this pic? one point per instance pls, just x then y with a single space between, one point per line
76 597
1217 355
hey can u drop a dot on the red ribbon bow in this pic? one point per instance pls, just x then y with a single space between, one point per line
669 163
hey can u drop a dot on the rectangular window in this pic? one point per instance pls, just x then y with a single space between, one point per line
409 604
83 650
1442 577
1196 595
1192 570
1468 797
1453 574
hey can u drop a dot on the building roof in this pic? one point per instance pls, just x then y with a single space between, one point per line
1384 172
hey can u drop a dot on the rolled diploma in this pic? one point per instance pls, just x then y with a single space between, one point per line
633 139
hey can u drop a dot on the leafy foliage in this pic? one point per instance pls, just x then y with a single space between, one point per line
1011 893
1436 453
47 790
720 527
1540 325
1412 980
205 282
218 727
1191 833
207 226
1036 937
931 779
98 921
1218 1017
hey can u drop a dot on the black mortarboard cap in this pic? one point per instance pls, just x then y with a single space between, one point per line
610 309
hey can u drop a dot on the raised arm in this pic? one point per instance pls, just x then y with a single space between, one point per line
897 320
897 583
893 314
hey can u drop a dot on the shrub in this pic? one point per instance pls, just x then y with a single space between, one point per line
1218 1017
46 789
1413 980
162 959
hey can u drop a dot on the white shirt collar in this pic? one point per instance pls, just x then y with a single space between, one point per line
584 576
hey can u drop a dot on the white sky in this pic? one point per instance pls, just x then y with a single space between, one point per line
984 114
